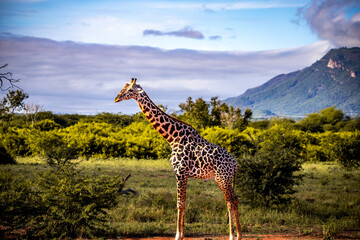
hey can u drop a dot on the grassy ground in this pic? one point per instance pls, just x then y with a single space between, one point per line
327 201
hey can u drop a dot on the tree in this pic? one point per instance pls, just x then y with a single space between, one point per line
14 99
196 113
216 111
201 114
32 111
328 119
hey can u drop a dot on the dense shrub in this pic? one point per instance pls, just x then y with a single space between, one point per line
89 138
56 150
113 135
13 139
76 203
61 203
5 157
267 178
328 119
316 153
232 140
18 203
46 125
345 149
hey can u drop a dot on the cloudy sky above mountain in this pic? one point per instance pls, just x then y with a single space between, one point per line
74 56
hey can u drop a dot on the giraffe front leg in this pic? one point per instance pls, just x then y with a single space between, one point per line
231 222
181 203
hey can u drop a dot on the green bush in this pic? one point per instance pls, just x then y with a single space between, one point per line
62 203
76 204
5 157
230 139
327 119
13 139
315 153
18 202
52 146
267 178
142 141
56 151
46 125
345 149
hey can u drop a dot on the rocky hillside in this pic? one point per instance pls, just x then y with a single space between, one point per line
334 80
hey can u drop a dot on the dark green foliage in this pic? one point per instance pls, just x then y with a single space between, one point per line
196 113
56 150
345 149
201 114
62 203
19 204
267 177
14 139
13 101
328 119
76 204
118 120
260 124
46 125
5 157
351 124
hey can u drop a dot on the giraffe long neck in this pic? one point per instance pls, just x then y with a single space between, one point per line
171 129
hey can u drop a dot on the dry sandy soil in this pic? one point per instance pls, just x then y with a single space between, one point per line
245 237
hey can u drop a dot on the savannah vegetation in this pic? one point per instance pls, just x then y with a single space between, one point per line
63 176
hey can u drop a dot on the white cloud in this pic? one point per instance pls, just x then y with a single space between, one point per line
248 5
332 20
224 6
76 77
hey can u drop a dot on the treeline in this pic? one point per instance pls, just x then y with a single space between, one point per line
328 135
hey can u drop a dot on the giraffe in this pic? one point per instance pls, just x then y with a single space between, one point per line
192 156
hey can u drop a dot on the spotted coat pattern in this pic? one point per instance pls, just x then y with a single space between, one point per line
192 155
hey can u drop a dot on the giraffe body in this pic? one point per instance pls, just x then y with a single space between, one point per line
192 156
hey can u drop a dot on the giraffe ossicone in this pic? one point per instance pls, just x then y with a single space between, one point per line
192 156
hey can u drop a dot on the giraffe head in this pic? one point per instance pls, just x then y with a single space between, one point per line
129 91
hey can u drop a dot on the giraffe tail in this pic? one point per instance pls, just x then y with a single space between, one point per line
234 178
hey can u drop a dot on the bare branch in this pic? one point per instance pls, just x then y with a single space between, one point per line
7 77
32 110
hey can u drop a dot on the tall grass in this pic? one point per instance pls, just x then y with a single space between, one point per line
327 201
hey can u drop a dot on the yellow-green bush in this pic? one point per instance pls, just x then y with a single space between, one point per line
232 140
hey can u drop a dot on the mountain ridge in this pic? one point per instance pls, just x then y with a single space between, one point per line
334 80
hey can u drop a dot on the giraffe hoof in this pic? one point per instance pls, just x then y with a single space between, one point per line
179 237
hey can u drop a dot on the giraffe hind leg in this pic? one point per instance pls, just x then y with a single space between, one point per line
232 203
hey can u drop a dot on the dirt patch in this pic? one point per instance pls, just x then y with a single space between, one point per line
245 237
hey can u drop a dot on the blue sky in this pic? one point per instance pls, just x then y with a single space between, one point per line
73 56
244 26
